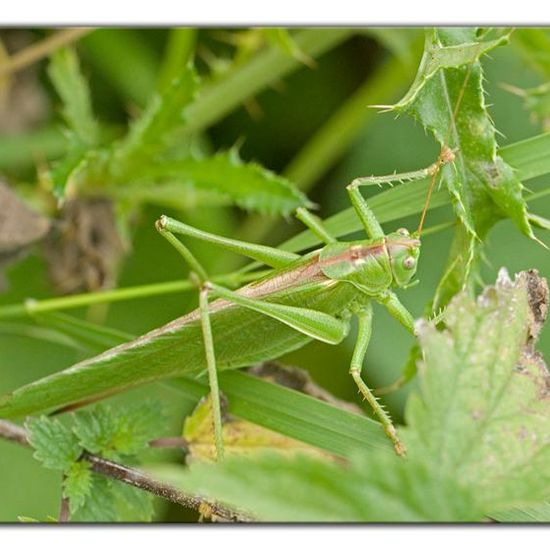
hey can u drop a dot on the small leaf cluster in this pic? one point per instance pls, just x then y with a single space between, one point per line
119 435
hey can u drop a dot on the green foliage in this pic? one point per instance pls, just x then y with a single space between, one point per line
447 97
153 150
111 501
249 185
77 485
116 435
475 431
155 129
476 434
277 488
55 445
483 415
64 72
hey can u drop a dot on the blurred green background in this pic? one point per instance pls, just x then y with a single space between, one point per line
122 68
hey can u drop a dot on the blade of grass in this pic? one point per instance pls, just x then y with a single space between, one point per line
292 413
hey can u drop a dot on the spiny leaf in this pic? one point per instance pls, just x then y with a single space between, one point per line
77 485
64 72
378 488
484 410
55 445
447 97
153 132
249 185
83 129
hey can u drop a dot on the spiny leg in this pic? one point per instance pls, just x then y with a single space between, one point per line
366 215
363 338
204 289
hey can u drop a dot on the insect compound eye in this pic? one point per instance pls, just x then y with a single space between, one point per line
409 262
403 231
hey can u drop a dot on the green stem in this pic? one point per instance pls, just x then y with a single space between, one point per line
179 50
120 294
220 98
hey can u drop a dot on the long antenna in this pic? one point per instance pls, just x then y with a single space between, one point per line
446 155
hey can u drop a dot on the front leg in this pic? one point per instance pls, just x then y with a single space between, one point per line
401 313
363 338
397 310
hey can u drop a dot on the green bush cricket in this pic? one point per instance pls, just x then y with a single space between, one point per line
304 297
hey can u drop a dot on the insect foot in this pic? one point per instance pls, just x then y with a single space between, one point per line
399 448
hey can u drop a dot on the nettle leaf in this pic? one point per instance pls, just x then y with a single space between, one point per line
483 413
64 72
55 444
249 185
109 500
380 487
153 131
447 97
117 434
99 505
77 485
132 504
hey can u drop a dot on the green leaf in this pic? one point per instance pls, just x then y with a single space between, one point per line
132 504
447 97
64 72
119 434
109 500
77 485
153 131
534 514
483 413
380 487
64 172
99 505
249 185
55 445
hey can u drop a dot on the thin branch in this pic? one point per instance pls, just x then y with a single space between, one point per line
43 48
64 507
135 478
